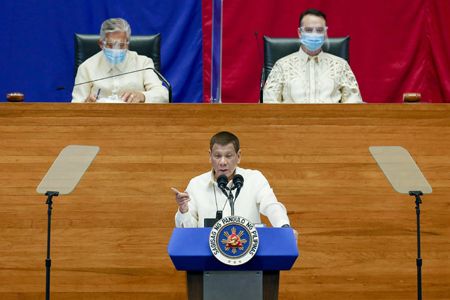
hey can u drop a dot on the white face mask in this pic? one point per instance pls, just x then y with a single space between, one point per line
114 56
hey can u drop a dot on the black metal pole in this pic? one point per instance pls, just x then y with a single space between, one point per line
231 200
417 195
48 261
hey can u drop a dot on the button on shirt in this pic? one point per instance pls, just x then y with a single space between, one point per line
300 78
256 197
97 67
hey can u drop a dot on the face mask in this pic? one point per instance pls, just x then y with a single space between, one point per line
114 56
312 41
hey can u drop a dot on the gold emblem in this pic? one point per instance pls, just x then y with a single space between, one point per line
234 241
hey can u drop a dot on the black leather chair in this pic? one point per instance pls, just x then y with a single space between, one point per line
276 48
149 45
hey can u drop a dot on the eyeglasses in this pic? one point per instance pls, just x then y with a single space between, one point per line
115 44
307 29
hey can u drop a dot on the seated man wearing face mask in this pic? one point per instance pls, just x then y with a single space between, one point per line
114 59
310 75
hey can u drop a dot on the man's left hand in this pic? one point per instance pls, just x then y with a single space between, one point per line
133 97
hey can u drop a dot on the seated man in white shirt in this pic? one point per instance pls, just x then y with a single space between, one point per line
311 75
203 198
115 59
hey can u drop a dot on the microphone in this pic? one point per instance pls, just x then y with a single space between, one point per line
162 78
222 182
238 183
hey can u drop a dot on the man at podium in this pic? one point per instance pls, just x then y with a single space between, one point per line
204 200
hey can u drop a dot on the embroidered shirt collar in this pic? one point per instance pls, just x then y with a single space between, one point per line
304 57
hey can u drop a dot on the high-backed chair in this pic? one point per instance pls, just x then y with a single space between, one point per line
276 48
86 45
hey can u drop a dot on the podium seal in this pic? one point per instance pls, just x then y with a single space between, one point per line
234 240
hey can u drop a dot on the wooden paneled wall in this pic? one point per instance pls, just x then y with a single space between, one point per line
109 237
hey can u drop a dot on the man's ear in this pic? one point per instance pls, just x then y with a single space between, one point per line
100 44
239 156
209 152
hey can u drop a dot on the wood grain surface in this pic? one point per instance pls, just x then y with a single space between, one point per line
109 237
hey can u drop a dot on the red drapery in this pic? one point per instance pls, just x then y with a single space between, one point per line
396 46
207 40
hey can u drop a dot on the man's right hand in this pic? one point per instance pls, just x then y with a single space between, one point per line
90 99
182 200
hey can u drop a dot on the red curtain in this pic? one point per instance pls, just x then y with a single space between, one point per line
207 40
438 17
396 46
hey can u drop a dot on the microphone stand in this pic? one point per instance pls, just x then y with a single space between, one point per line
230 198
231 201
237 185
417 195
162 78
48 261
169 87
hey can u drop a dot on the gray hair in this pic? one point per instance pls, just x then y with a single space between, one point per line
115 25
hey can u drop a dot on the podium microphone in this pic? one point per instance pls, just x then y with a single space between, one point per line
238 183
222 182
162 78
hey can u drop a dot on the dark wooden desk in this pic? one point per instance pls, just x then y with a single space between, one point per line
357 235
